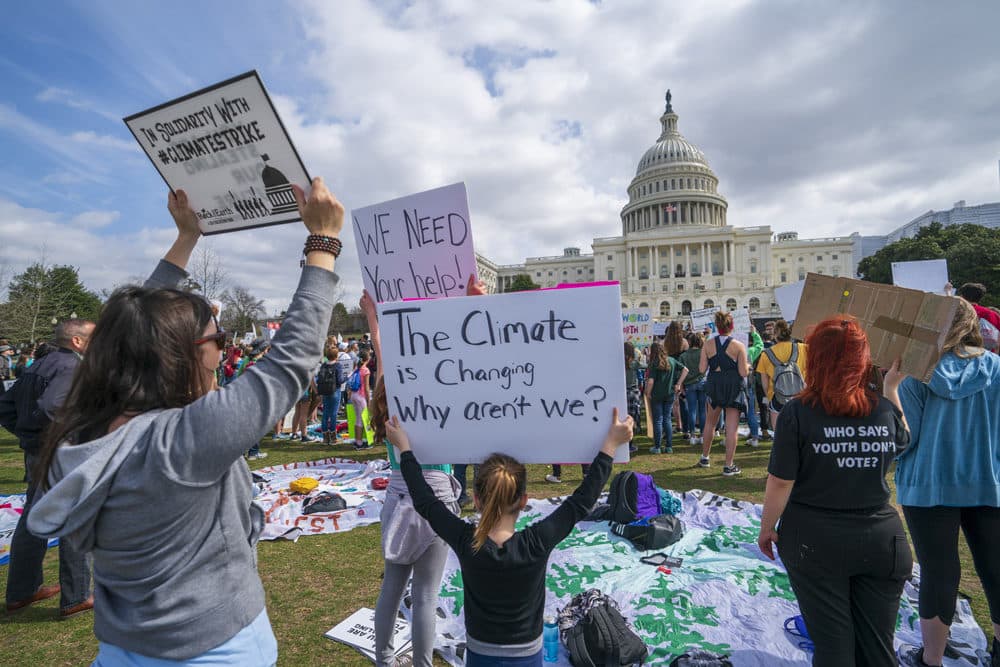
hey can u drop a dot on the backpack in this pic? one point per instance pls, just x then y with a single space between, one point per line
329 379
657 532
597 635
787 378
632 496
354 382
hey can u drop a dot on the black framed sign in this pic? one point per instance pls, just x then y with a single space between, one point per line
225 146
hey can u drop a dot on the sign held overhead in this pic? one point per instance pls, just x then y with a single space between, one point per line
226 147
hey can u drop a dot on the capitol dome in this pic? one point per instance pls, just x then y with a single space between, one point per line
673 184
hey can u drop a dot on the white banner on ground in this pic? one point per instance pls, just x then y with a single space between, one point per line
788 297
930 275
416 247
637 326
358 632
531 374
226 147
283 517
10 513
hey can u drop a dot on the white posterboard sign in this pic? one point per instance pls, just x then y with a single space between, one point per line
788 297
741 325
637 326
416 247
704 318
530 374
226 147
248 338
930 275
358 632
7 384
660 329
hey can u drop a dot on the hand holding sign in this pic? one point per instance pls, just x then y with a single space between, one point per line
321 212
397 435
183 215
619 433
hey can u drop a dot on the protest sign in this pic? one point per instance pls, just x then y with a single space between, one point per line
637 326
788 297
901 323
271 328
248 338
358 632
704 318
7 384
416 247
742 325
531 374
660 329
929 275
226 147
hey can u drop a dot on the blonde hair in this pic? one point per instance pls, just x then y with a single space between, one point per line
500 484
964 338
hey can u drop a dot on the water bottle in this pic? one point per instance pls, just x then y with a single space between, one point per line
550 639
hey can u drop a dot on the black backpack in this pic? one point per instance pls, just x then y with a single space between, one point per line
603 638
623 497
329 378
657 532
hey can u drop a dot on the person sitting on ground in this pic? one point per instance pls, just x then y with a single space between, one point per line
144 425
503 569
949 478
725 361
840 538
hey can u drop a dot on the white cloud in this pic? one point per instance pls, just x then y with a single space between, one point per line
74 101
103 141
95 219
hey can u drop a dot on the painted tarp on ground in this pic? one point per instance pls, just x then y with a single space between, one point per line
10 512
726 597
350 479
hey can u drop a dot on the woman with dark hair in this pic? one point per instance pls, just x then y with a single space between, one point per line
841 540
949 478
725 360
144 424
675 343
664 380
694 386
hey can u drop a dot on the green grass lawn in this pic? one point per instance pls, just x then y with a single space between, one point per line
315 583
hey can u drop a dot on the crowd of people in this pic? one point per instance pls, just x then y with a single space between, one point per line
150 402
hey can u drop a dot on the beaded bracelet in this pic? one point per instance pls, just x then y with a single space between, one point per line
315 242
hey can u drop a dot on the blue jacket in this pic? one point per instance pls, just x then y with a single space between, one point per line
31 403
954 454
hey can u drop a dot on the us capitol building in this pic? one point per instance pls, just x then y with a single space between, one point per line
676 251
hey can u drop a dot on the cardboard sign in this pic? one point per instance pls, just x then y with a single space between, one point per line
929 275
358 632
788 298
531 374
416 247
637 326
226 147
901 323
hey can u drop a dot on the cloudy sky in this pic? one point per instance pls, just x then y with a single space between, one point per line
823 118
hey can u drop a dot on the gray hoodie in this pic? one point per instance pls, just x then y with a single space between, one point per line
165 501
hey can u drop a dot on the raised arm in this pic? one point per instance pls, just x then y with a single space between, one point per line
209 434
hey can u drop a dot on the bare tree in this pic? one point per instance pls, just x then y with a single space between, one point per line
240 309
208 275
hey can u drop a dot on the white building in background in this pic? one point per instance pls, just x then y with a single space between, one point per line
676 251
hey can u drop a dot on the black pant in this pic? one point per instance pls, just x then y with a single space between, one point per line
557 469
935 539
847 570
765 415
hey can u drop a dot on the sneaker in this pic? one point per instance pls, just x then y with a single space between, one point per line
703 462
632 449
730 471
295 436
309 439
700 440
911 656
655 450
753 442
553 479
765 436
362 445
692 441
668 450
258 455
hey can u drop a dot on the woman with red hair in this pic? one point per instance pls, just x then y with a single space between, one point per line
840 540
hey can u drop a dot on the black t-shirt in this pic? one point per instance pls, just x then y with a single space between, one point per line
837 462
505 585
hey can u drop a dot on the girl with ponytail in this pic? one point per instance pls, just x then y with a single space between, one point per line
503 569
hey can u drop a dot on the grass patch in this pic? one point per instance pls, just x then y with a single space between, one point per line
313 584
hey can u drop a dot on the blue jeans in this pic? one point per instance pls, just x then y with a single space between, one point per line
696 406
473 659
331 404
753 421
661 421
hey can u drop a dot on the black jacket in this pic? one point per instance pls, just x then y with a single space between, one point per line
30 405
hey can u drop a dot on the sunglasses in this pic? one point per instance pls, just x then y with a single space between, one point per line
219 337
